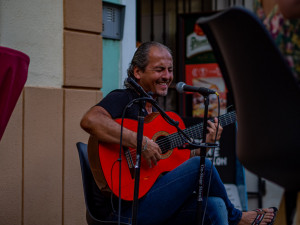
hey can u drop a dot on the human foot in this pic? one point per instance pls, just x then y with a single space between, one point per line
259 216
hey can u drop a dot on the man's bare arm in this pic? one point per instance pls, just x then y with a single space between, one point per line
99 123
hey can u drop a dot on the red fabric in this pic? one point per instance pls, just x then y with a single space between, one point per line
13 75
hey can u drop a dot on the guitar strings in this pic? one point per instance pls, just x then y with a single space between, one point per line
174 140
171 141
194 131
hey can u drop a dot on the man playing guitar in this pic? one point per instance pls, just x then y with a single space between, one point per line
171 199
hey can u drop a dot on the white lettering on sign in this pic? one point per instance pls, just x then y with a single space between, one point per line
218 160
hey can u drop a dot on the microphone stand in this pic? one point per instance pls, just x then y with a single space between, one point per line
191 143
202 164
137 167
147 97
142 102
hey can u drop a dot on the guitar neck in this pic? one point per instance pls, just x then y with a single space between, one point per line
196 132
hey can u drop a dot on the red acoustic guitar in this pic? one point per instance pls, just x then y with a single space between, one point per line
157 129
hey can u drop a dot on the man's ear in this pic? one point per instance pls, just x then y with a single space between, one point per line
136 73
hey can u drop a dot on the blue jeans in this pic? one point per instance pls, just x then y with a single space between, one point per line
172 199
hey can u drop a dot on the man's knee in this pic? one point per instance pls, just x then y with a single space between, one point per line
217 211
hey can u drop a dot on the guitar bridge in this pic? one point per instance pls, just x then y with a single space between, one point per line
129 160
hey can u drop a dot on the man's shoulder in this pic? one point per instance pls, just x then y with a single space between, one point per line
119 96
131 94
115 102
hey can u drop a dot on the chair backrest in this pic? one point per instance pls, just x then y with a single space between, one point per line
87 177
265 92
13 75
90 188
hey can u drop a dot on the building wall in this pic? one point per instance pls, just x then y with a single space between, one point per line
111 50
35 28
118 54
39 165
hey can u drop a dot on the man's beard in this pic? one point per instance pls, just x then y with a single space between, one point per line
162 94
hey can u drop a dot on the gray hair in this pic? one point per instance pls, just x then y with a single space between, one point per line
141 57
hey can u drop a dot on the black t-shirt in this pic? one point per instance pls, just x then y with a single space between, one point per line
116 101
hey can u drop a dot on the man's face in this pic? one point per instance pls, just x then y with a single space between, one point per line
158 74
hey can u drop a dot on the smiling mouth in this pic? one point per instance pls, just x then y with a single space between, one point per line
164 84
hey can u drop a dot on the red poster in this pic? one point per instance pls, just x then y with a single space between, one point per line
208 76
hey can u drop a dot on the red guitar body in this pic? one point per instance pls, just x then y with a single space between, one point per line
155 127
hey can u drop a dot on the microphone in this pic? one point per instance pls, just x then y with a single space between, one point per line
181 87
133 84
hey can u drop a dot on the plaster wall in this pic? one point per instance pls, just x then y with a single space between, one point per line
35 28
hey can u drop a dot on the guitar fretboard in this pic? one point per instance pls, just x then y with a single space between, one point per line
176 140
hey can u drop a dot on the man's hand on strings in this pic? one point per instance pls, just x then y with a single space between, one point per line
150 151
211 131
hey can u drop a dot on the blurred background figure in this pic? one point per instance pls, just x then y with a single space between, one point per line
282 20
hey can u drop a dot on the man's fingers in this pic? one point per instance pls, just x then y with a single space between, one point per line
152 155
150 163
156 158
211 124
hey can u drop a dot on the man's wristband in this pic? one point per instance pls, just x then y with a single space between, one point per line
145 146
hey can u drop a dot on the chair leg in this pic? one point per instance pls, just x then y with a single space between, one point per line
290 205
